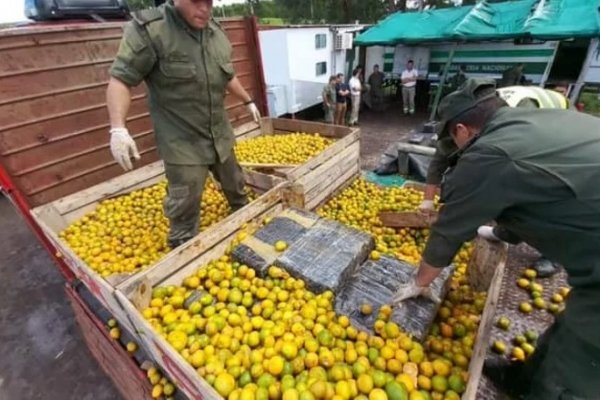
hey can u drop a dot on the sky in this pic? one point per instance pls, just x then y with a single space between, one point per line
12 10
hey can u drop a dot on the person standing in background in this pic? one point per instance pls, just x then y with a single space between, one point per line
329 102
457 80
376 82
409 85
355 91
342 92
513 76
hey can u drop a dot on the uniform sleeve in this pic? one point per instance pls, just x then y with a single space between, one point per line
439 163
474 193
224 53
135 58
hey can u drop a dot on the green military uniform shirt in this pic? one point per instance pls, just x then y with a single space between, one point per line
545 194
186 72
329 95
457 80
511 76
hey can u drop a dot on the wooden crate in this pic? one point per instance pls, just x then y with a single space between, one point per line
134 296
57 215
128 378
312 179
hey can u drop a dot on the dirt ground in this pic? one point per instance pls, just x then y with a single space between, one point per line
43 353
381 128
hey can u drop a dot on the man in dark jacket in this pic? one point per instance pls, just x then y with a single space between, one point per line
519 168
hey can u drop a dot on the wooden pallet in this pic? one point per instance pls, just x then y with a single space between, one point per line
56 216
120 367
313 178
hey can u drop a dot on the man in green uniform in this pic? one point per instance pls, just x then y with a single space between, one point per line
520 169
514 96
329 96
513 76
459 79
184 57
375 82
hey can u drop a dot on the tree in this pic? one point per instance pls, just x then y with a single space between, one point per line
135 5
332 11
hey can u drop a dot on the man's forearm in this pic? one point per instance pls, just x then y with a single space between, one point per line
429 192
118 100
235 87
427 274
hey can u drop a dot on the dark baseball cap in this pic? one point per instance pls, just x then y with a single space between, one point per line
462 100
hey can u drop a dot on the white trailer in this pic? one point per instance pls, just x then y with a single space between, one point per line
298 61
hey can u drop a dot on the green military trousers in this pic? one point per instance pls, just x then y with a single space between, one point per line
184 192
566 362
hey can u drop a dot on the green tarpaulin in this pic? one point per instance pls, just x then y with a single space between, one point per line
494 20
538 19
558 19
413 27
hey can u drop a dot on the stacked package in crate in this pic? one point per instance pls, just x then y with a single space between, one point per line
328 255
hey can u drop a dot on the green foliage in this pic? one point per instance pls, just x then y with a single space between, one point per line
322 11
590 97
135 5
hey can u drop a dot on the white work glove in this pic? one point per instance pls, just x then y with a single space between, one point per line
426 206
487 232
410 289
253 110
123 147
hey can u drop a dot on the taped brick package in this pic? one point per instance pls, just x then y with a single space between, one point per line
326 254
258 251
375 283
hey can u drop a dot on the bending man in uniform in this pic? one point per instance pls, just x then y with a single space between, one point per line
514 96
184 57
547 196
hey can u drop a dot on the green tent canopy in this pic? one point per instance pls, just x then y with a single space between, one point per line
538 19
413 27
494 21
562 19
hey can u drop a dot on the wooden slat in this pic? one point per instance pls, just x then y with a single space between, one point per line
333 166
97 286
335 149
123 184
70 169
334 183
103 173
406 219
484 255
333 131
209 238
483 332
57 102
113 359
244 129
